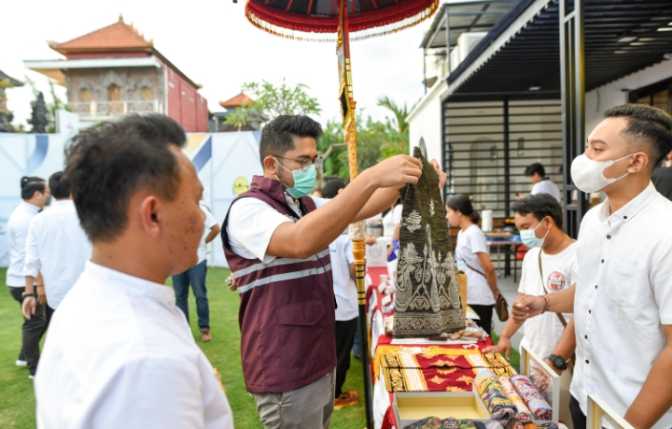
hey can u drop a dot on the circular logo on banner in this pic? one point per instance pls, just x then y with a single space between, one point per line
556 281
240 185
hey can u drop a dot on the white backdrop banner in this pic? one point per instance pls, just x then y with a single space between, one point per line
225 162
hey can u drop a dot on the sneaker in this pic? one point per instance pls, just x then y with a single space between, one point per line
21 363
346 399
206 336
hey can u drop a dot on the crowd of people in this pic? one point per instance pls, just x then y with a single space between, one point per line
128 214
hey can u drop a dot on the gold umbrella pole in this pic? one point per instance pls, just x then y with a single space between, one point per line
356 229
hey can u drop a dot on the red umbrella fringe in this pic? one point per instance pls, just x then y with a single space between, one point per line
305 28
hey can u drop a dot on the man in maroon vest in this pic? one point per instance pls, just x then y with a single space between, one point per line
276 240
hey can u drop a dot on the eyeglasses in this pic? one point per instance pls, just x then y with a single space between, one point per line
303 162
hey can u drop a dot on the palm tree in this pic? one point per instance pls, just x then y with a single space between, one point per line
398 137
400 113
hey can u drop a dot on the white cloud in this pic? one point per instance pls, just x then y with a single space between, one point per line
214 44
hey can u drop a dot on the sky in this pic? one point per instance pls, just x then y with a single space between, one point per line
214 44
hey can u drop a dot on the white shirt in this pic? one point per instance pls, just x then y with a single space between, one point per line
120 354
470 243
58 248
17 231
623 296
252 223
546 186
344 286
391 220
542 333
210 222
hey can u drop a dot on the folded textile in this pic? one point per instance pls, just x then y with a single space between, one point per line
492 394
535 401
451 423
523 414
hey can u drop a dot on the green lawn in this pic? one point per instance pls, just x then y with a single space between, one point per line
17 402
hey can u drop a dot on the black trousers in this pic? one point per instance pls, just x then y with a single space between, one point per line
345 337
485 315
578 418
32 331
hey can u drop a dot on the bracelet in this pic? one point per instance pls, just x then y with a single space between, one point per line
547 304
26 295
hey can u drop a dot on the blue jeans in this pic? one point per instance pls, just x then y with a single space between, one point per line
196 277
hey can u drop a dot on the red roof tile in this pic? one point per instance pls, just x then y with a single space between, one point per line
239 100
118 36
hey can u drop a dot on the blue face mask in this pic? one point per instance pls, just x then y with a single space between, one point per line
530 239
305 180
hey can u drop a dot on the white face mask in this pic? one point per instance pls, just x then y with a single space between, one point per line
588 175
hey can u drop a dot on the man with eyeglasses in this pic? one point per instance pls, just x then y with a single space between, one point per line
276 240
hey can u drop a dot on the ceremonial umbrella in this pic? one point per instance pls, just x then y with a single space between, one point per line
336 19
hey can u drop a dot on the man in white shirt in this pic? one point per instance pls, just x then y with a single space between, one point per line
35 195
57 248
276 240
119 353
549 266
541 184
196 276
622 301
347 311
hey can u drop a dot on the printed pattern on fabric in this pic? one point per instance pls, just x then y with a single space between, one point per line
433 369
535 401
451 423
498 404
427 299
523 414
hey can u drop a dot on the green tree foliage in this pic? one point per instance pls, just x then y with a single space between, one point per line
272 100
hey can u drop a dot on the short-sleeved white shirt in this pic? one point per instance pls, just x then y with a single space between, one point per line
547 186
58 248
391 220
344 286
210 222
623 297
542 333
470 243
17 233
252 223
132 364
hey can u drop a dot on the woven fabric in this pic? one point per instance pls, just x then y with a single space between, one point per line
427 300
535 401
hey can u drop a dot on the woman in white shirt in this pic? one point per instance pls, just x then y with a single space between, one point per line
472 257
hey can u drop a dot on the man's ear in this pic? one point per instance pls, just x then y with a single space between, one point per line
149 215
640 161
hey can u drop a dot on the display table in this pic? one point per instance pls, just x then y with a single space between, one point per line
438 369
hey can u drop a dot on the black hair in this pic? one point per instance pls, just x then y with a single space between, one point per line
59 186
652 123
277 137
462 204
541 206
30 185
108 162
535 168
331 188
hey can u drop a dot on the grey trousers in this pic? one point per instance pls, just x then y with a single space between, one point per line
308 407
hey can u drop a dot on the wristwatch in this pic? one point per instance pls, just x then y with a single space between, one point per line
558 362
